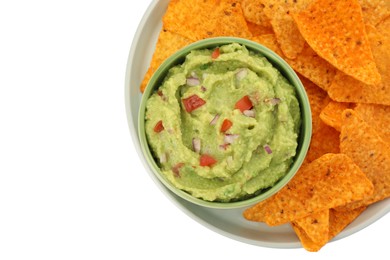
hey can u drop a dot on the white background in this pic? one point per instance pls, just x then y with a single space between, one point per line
71 183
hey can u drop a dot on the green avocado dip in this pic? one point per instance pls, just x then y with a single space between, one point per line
223 126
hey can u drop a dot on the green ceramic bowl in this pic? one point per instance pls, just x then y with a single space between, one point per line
288 73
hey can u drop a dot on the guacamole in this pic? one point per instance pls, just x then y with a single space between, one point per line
223 126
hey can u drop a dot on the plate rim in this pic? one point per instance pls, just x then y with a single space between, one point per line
134 135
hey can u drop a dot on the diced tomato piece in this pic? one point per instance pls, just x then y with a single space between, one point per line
207 160
193 102
244 104
226 124
176 169
158 127
215 53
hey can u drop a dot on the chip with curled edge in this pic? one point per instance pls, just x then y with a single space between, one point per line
330 181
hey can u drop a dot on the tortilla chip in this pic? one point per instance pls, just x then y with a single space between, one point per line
378 117
306 241
360 142
253 11
335 30
313 237
200 19
339 220
330 181
313 67
317 99
269 41
325 140
374 11
289 38
348 89
331 114
167 44
313 230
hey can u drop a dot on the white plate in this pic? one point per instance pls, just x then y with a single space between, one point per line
226 222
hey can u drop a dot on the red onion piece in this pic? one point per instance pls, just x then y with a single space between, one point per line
176 169
214 120
224 146
230 138
273 101
267 149
193 81
196 145
241 73
249 113
163 158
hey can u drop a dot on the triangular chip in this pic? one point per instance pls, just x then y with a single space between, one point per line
279 12
318 99
269 41
360 142
254 12
331 114
200 19
313 67
347 89
335 30
313 237
313 230
167 44
325 140
306 241
330 181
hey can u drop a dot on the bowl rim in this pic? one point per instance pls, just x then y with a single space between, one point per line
282 66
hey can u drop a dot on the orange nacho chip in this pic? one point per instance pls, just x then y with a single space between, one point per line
306 241
269 41
254 12
313 230
167 44
337 221
318 100
376 116
279 12
200 19
313 67
325 140
331 114
361 143
330 181
347 89
335 30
